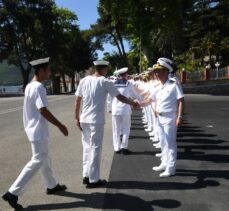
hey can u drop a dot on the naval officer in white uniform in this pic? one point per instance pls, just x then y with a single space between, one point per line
169 110
92 92
121 113
35 118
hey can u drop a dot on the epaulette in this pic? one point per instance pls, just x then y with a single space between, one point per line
121 83
173 80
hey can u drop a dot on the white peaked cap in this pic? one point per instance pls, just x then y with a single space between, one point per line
115 73
165 60
150 69
122 70
165 64
102 63
39 61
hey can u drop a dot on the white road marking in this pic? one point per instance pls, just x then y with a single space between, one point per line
6 111
209 125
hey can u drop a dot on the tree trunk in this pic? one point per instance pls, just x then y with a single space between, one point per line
64 82
73 83
117 44
25 74
122 48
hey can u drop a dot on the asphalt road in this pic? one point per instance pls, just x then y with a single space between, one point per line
201 182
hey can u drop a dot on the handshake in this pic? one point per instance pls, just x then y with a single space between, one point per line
136 104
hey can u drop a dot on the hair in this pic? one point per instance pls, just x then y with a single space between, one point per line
123 74
38 67
100 67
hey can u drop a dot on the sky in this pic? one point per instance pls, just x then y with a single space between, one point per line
86 10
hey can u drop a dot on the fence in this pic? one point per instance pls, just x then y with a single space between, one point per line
195 76
204 75
218 73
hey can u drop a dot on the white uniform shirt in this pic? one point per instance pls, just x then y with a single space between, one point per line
167 97
93 91
126 89
154 89
36 126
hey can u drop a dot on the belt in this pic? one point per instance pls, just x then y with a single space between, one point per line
158 113
163 113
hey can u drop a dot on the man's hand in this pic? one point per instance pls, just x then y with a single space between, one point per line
178 122
63 129
78 124
136 104
49 116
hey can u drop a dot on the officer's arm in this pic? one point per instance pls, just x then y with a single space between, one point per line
180 107
146 102
49 116
77 111
126 100
180 111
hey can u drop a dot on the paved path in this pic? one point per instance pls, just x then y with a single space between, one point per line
201 183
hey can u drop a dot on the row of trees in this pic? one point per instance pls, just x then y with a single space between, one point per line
192 32
186 30
31 29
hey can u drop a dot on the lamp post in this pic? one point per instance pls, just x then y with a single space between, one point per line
217 64
208 66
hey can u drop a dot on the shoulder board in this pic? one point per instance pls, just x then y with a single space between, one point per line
121 83
172 80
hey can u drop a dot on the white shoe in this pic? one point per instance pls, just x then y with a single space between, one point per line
157 144
159 168
156 139
158 155
167 174
147 129
151 134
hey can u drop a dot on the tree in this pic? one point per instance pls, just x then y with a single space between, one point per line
21 40
110 26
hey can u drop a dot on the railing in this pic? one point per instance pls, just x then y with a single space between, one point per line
206 74
195 76
218 73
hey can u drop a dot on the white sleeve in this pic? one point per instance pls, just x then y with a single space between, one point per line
134 94
179 91
109 102
111 89
41 97
79 89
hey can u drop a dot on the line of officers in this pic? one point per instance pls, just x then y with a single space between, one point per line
159 95
159 92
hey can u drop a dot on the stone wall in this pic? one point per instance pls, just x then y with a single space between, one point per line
207 87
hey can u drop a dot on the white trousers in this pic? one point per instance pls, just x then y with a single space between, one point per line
40 161
167 134
92 137
121 124
149 116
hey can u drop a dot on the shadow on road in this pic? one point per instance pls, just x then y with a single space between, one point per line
116 201
198 145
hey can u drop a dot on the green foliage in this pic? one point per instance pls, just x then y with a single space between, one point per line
184 30
31 29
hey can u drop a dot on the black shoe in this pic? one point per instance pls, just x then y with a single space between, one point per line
85 180
56 189
98 184
126 152
118 152
12 200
